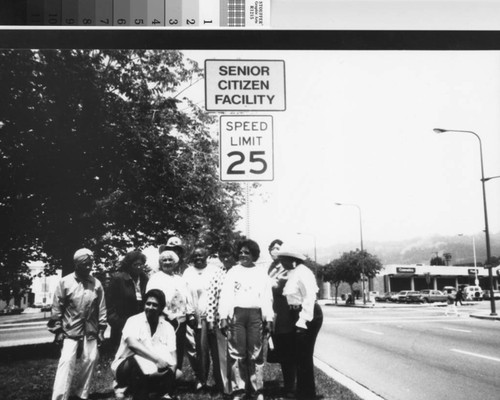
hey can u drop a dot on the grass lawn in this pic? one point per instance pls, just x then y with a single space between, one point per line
27 373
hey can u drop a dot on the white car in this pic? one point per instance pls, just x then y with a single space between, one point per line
473 293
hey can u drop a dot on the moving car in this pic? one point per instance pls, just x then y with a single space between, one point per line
432 296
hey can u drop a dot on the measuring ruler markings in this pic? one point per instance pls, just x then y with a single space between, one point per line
198 14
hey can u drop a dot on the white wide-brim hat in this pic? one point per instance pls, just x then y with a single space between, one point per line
290 251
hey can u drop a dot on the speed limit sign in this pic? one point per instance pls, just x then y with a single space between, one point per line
246 148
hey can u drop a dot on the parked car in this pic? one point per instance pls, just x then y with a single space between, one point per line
449 290
473 293
387 296
12 309
432 296
46 307
414 297
401 296
486 294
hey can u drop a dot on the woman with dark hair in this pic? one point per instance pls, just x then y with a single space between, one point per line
282 338
245 308
125 293
300 291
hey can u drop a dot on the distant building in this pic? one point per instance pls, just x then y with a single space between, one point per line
43 287
396 277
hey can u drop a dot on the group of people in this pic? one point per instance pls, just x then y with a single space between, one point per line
234 315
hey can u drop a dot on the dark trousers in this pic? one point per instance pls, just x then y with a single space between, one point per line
180 340
304 345
129 374
284 347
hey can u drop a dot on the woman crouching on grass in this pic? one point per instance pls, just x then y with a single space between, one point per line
300 291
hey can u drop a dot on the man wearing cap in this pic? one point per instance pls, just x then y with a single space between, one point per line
78 317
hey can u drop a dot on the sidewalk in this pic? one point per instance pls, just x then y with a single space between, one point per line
479 314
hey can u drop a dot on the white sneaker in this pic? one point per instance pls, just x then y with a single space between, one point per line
120 393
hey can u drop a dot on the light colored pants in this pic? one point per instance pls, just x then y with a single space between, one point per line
219 350
245 349
67 365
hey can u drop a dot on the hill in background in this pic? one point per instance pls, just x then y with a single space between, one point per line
420 250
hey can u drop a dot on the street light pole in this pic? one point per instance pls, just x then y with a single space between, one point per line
486 229
476 280
361 239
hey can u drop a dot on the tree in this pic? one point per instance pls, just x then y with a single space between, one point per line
15 277
97 149
329 273
351 265
447 258
436 260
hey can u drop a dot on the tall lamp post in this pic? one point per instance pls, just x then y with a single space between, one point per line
476 280
486 229
361 238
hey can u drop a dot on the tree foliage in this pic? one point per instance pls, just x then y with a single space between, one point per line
436 260
350 267
97 149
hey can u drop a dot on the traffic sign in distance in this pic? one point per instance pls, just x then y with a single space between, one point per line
246 148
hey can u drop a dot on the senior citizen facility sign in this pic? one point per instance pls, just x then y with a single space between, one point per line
246 148
245 85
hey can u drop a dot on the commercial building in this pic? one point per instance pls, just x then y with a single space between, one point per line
395 277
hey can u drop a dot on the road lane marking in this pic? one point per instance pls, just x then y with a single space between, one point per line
476 355
24 323
25 342
21 328
370 331
457 330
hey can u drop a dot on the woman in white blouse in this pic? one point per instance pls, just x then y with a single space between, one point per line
300 291
246 311
177 309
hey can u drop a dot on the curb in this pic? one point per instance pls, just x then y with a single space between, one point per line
484 316
361 391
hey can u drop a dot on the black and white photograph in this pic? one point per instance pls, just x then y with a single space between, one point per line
299 217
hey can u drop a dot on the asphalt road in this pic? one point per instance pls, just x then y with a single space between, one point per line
23 329
410 353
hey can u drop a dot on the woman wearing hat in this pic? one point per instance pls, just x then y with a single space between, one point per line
177 308
283 336
300 291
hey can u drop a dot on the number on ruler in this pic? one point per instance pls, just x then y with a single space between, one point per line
173 21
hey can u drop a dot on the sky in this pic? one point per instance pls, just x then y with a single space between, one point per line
358 129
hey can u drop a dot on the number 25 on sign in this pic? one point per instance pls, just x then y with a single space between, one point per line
246 148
